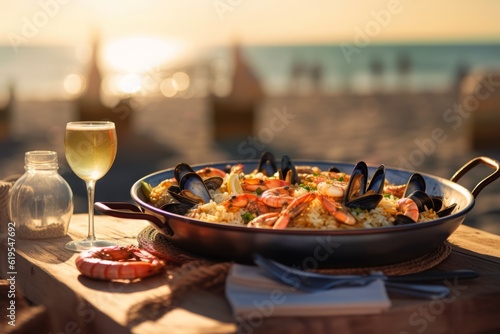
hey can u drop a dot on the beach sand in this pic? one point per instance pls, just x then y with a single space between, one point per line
410 131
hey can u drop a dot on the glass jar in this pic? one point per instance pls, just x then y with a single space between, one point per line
41 201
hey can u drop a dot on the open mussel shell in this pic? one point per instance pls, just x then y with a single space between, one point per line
177 193
192 183
424 202
403 220
182 169
214 182
177 208
415 182
357 183
184 197
365 202
440 210
267 164
447 211
377 181
288 172
334 169
174 189
438 202
360 193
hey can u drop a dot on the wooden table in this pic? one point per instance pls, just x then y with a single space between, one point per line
46 275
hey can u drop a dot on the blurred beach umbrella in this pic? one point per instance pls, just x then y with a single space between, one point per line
89 104
233 115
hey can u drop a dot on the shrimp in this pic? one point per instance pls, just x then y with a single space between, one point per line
395 190
278 197
210 172
337 211
300 203
303 169
294 209
332 189
250 202
264 184
117 262
408 207
237 169
265 220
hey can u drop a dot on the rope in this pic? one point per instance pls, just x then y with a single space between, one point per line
200 274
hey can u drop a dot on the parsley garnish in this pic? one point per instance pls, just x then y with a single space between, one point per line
306 187
247 217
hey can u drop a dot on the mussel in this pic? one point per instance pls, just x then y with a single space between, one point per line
334 169
363 194
424 202
401 219
267 164
415 182
438 206
214 182
191 189
288 171
415 189
180 170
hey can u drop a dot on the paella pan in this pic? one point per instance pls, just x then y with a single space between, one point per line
402 239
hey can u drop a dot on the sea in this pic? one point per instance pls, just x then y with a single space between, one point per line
38 72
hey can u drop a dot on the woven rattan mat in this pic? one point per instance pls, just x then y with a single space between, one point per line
157 244
187 271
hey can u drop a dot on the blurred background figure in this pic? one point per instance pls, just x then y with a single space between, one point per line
316 73
233 115
297 73
377 73
461 73
6 111
404 68
89 104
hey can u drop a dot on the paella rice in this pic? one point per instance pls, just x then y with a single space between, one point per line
312 215
315 216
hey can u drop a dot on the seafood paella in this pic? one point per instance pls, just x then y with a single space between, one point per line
296 196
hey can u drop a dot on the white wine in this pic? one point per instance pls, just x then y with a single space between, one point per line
90 151
90 148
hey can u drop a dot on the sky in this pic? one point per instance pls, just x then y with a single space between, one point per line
201 22
138 36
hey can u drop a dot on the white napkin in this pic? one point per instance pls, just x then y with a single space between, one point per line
251 292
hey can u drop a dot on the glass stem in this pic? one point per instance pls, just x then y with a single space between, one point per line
90 196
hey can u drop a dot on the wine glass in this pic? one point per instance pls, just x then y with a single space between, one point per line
90 149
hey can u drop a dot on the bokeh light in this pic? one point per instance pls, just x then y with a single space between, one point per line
168 87
138 54
130 83
181 80
74 84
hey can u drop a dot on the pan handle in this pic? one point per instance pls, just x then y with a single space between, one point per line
493 164
130 211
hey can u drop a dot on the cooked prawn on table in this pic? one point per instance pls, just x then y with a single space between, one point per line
116 262
293 196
